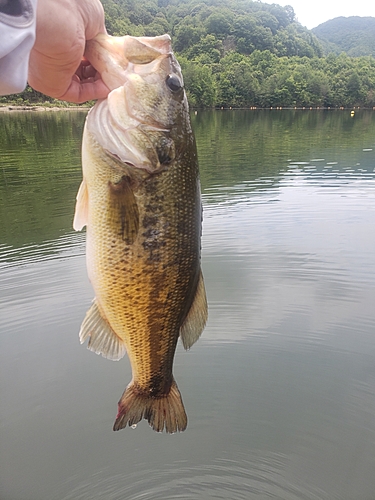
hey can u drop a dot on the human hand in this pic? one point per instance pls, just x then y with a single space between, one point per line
57 67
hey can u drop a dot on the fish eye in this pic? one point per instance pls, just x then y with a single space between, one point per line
174 83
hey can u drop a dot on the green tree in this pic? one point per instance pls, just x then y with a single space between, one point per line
219 23
187 35
207 47
158 26
199 82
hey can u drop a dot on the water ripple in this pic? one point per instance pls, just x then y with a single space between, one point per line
68 245
262 477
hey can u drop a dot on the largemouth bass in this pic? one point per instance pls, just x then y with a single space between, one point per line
140 200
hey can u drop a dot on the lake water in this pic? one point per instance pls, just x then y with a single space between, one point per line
279 390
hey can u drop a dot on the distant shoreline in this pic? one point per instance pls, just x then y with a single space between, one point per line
37 107
10 107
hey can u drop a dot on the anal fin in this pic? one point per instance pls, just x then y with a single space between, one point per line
196 318
102 339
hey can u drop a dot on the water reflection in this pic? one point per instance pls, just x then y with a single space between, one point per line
40 170
280 389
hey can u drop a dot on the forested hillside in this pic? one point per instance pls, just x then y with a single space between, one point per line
212 28
243 53
353 35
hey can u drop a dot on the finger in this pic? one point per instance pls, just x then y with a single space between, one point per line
79 92
52 76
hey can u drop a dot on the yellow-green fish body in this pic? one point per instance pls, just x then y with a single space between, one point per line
140 200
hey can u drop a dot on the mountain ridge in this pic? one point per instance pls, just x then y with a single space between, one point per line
354 35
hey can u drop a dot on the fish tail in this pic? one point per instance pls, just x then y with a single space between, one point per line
165 412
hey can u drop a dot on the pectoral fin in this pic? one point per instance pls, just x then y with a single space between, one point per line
125 210
103 340
82 207
196 318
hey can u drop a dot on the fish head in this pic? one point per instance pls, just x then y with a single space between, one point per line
146 112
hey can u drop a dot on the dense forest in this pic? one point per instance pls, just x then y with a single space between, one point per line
353 35
244 53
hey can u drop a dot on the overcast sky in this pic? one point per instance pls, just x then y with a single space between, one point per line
311 13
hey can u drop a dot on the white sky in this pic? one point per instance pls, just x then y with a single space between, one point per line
311 13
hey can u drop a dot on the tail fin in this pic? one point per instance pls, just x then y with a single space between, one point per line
161 412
